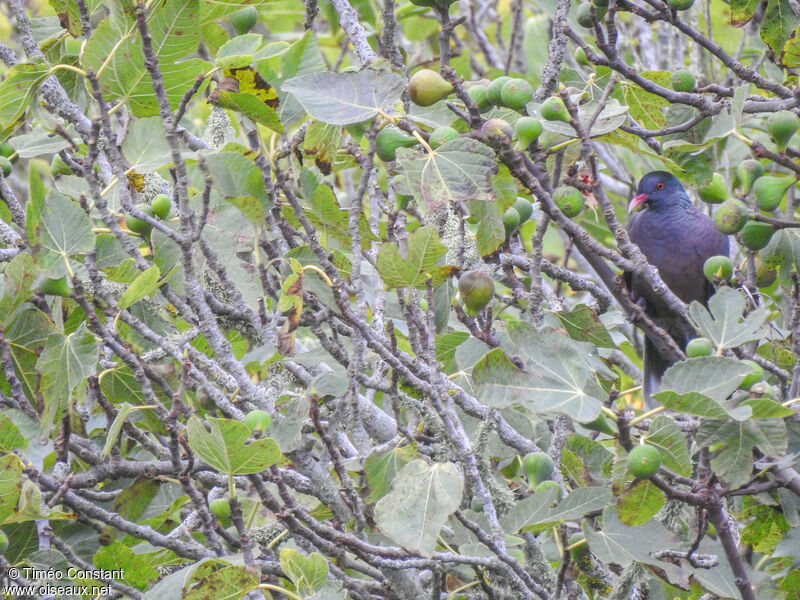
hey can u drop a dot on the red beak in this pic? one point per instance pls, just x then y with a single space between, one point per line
637 202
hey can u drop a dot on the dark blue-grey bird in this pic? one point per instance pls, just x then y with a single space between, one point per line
677 238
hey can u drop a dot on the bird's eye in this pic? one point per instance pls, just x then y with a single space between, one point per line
659 186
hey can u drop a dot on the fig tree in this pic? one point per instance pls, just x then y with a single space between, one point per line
478 95
244 19
756 374
476 289
497 132
389 140
442 135
580 57
527 130
516 93
719 267
699 347
6 149
511 220
569 200
769 190
494 93
643 461
756 235
731 216
781 126
138 225
220 508
715 192
537 467
258 420
553 109
524 208
161 206
427 87
749 170
683 81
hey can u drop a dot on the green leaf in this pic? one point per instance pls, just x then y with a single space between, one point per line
19 275
322 141
767 408
742 11
777 25
424 250
531 510
116 426
64 230
380 469
251 107
714 376
63 364
145 284
10 477
224 448
554 379
238 52
235 174
722 322
145 147
665 435
639 503
228 583
40 141
31 508
610 118
582 323
306 572
644 107
490 232
783 251
345 98
138 571
10 437
579 502
416 509
457 171
330 219
18 89
446 346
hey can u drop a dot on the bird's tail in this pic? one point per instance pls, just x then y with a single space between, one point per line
654 366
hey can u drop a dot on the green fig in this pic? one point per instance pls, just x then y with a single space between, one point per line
427 87
583 14
765 276
643 461
55 287
580 57
220 508
537 467
138 225
546 485
244 19
718 267
569 200
494 93
769 190
389 140
59 167
258 420
756 235
527 130
749 170
161 206
731 216
699 347
497 132
680 4
5 166
553 109
441 136
524 208
478 95
6 150
715 192
579 549
476 289
782 125
511 220
601 424
683 81
516 93
756 374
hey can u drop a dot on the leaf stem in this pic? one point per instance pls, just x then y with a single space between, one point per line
646 415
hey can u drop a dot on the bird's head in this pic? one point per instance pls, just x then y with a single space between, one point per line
658 190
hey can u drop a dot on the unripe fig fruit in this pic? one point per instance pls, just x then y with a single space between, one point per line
553 109
476 505
683 81
3 541
765 276
478 94
715 192
643 461
220 508
161 206
258 420
537 467
601 424
524 208
731 216
138 225
497 132
244 19
756 375
583 14
427 87
6 149
569 200
55 287
546 485
781 126
511 220
441 136
680 4
389 140
769 190
720 267
749 170
516 93
476 289
527 130
756 235
59 167
580 57
581 551
5 166
699 347
494 93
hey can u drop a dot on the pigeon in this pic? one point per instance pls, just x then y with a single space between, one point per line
676 238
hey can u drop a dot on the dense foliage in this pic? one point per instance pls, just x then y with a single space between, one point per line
325 300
